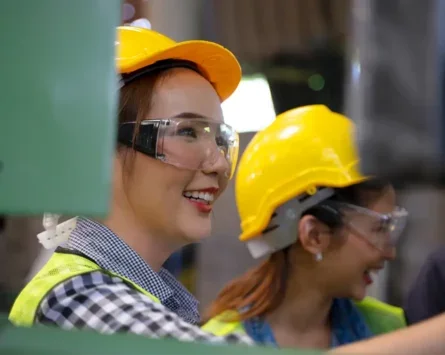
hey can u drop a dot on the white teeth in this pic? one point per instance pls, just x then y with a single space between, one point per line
372 271
205 196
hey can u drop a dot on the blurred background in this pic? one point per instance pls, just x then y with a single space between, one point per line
295 52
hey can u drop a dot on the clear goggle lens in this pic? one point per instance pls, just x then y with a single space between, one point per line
189 143
381 230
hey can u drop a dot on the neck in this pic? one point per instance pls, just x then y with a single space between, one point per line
305 307
150 246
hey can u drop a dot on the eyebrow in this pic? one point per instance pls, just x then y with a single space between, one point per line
189 115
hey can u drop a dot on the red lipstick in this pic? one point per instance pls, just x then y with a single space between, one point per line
201 207
367 278
212 190
200 204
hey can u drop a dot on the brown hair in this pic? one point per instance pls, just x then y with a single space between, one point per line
137 92
262 289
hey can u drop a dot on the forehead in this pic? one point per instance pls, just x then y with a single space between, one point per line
386 202
183 90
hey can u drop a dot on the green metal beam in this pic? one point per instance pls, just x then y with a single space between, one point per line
46 341
57 105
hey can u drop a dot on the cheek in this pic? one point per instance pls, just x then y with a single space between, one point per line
156 186
223 183
348 253
359 251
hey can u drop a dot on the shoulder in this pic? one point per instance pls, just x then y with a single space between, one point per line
78 301
106 304
380 316
434 266
378 306
425 296
438 255
224 324
91 282
430 280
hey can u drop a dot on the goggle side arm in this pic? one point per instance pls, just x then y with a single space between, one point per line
147 138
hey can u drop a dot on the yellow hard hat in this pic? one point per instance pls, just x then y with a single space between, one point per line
304 148
140 47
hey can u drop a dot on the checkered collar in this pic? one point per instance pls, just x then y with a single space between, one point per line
110 252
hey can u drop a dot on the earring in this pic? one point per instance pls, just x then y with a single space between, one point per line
318 257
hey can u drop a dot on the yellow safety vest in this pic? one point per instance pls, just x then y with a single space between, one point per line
60 268
380 317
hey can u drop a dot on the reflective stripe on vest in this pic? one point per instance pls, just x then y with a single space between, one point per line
224 324
59 268
380 317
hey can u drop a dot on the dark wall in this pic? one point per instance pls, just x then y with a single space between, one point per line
298 80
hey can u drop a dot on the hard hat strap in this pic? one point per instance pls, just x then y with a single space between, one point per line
157 67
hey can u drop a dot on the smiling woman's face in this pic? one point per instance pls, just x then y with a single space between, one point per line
158 193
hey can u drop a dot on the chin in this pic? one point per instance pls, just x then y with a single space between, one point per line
195 231
194 225
359 293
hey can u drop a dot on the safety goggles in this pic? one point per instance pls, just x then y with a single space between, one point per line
188 143
380 230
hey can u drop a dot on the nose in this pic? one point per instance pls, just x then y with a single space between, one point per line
389 253
218 166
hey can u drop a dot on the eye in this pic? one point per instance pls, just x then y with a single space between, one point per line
222 144
383 226
379 229
189 132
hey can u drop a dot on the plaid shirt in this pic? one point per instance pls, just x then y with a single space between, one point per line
107 304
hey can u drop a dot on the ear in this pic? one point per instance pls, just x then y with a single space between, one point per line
314 235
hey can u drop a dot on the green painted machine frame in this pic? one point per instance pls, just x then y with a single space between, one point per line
58 98
47 341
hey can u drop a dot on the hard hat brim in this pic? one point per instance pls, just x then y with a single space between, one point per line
251 228
215 62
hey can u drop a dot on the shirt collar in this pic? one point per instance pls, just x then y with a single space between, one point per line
111 253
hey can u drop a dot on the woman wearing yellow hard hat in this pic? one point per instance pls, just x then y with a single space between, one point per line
174 158
325 229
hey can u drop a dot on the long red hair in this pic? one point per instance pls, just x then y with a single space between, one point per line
261 289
